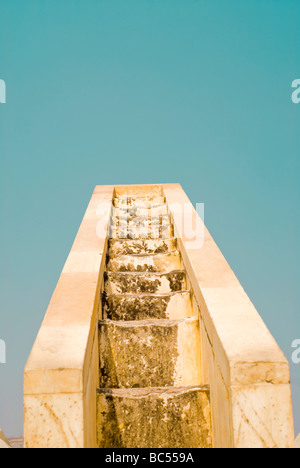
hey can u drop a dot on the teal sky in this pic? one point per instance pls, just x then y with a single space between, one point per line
147 91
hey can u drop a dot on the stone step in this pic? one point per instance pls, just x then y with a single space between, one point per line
140 202
154 418
172 306
140 247
139 222
141 191
141 283
159 263
141 232
149 353
135 211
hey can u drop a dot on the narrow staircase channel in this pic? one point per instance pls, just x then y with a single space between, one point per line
151 393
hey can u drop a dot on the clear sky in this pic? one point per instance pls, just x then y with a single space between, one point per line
147 91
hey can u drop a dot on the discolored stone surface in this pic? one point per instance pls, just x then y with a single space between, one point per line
154 418
149 353
139 191
142 202
160 263
135 356
139 283
135 222
141 246
154 231
149 338
135 211
144 306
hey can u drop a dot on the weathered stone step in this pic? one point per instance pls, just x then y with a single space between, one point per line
149 353
141 191
135 211
159 263
145 246
172 306
136 283
154 418
141 232
135 222
141 202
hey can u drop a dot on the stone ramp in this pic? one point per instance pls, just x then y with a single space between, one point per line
4 442
150 391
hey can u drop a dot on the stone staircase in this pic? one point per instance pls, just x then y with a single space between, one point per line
150 392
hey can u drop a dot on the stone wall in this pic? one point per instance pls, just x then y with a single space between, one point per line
247 372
